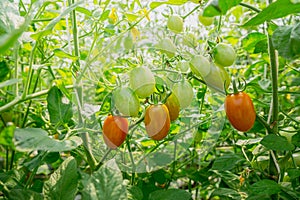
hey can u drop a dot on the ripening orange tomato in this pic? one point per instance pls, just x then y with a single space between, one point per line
173 106
157 121
115 129
240 111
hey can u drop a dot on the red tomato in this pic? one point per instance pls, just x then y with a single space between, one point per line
240 111
157 121
115 129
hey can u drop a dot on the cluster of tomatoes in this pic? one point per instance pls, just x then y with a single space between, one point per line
157 117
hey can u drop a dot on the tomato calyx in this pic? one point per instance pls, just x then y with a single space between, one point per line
237 87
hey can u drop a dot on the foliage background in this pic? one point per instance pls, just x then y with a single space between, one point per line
60 61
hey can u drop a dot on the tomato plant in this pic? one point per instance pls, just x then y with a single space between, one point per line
126 101
183 91
115 129
183 66
200 66
175 23
173 106
240 111
142 81
157 121
224 54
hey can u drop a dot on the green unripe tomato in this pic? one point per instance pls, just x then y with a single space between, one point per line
224 54
183 91
166 46
175 23
200 66
142 81
216 78
206 21
126 101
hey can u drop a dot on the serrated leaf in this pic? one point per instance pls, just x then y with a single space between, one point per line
286 40
219 7
23 194
227 193
30 139
277 143
59 111
226 162
170 194
156 4
275 10
293 173
62 54
250 41
63 182
106 183
265 187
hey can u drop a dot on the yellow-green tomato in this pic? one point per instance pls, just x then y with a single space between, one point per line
224 54
142 81
166 46
126 101
175 23
206 21
217 78
183 91
200 66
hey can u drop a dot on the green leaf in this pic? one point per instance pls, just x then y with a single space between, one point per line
286 40
226 162
30 139
62 54
63 182
275 10
296 139
250 42
59 111
293 173
219 7
277 143
170 194
226 192
23 194
156 4
134 193
48 29
106 183
265 187
84 11
4 70
6 137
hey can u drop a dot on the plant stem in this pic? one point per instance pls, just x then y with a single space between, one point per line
103 158
250 7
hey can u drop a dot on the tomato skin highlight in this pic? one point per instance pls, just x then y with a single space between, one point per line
115 129
157 121
240 111
173 106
